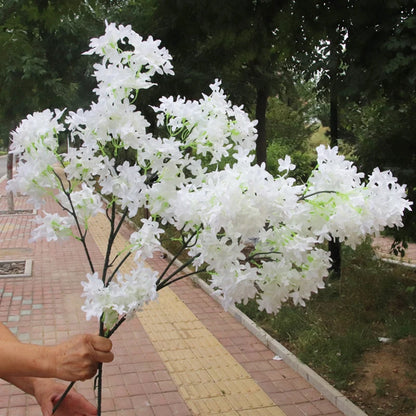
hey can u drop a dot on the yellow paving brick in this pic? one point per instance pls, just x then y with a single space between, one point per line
210 389
188 325
238 386
187 378
209 342
228 372
241 401
166 345
198 407
209 406
209 352
186 365
177 355
231 413
209 379
218 405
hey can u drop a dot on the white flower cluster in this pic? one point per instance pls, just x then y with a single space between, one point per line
123 296
129 62
211 125
256 234
355 208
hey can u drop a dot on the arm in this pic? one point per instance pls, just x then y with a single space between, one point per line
64 362
47 392
74 359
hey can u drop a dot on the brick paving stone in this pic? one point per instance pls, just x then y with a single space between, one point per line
325 407
182 362
292 410
308 409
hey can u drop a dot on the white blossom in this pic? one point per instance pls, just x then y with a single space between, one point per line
52 227
286 164
146 240
37 130
258 235
125 295
84 203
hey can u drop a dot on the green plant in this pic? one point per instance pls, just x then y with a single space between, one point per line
345 320
381 386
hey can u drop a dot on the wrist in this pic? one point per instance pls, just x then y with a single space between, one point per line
41 360
38 385
50 361
26 384
26 360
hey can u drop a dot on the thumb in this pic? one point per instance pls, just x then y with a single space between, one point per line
47 409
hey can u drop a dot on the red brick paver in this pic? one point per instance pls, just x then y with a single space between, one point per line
44 308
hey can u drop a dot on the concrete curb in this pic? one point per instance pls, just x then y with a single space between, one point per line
329 392
398 262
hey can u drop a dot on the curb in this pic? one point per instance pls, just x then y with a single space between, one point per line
341 402
328 391
398 262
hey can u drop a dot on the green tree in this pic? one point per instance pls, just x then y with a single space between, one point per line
238 41
380 82
40 54
366 58
288 131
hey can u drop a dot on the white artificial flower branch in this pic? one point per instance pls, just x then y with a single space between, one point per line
257 236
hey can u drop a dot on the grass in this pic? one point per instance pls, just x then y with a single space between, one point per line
320 136
339 324
347 318
373 299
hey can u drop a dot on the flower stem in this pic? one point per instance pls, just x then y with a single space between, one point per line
168 280
68 389
99 379
304 197
186 244
65 393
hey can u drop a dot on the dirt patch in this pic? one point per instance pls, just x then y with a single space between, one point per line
387 383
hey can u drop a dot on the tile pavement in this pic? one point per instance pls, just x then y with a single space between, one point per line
184 355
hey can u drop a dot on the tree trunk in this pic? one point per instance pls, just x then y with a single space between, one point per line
261 107
334 245
333 116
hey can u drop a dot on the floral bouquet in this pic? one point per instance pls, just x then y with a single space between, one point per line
194 170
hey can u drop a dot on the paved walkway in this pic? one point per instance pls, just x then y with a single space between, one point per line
183 355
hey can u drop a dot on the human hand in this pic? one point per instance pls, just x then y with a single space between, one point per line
47 393
78 357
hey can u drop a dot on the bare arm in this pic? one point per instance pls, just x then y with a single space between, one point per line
75 359
23 364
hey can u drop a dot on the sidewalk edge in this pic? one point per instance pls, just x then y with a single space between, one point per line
328 391
341 402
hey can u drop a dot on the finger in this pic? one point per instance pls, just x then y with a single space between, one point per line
103 357
47 409
83 406
101 343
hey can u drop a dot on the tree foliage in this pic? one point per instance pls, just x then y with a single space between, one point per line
236 41
40 54
362 51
